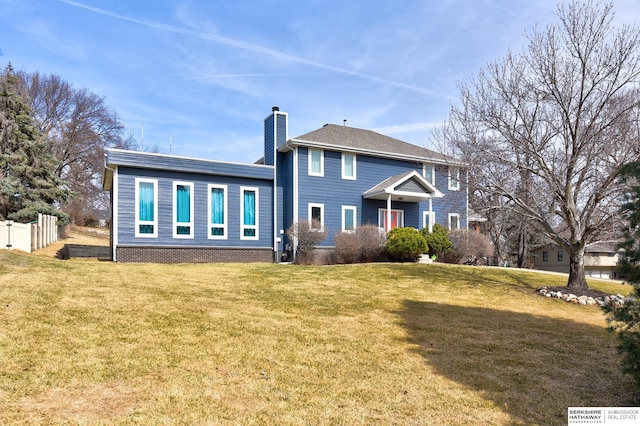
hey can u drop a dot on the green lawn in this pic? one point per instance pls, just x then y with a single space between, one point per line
93 342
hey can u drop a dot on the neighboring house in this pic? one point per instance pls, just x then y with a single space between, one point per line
600 260
102 215
175 209
477 222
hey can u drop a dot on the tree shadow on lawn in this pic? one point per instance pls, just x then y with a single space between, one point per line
532 367
477 279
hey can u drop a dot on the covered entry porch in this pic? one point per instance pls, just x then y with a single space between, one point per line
398 191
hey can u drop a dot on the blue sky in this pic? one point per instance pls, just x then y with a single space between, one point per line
205 74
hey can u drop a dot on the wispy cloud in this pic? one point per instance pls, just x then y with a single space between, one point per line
500 8
242 75
239 44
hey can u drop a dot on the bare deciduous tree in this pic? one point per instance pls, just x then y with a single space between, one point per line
547 130
78 127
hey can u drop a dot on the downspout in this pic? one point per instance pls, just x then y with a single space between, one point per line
294 243
275 215
276 258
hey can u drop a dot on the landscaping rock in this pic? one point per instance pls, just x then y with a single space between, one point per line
593 297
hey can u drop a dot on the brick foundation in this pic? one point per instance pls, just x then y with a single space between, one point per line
192 254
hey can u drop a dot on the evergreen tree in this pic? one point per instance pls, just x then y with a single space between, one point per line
625 319
28 184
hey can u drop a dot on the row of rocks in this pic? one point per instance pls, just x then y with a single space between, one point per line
610 299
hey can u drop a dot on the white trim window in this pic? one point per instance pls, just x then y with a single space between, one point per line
146 208
454 221
183 209
454 179
315 215
429 173
249 213
348 166
397 219
218 207
426 218
316 162
349 218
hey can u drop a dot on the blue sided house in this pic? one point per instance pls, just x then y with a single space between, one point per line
167 208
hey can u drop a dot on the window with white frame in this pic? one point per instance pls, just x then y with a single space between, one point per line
397 219
146 208
316 162
348 218
249 213
217 212
316 216
429 173
182 210
428 218
454 221
348 166
454 178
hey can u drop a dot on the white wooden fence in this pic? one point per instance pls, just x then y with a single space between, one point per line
29 236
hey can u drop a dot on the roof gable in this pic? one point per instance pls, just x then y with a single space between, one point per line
409 186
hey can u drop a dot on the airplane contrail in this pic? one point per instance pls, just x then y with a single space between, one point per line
250 47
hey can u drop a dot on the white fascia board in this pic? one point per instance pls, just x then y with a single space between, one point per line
297 142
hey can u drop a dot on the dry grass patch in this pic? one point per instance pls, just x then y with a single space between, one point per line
91 342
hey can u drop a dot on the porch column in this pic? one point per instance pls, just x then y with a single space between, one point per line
388 212
430 215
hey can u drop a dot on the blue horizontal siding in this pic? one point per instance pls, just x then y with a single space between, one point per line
126 209
282 129
269 142
452 201
335 192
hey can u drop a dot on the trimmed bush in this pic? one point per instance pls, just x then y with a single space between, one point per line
438 241
365 244
406 244
347 248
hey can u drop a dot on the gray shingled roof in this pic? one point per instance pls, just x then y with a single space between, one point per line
332 135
